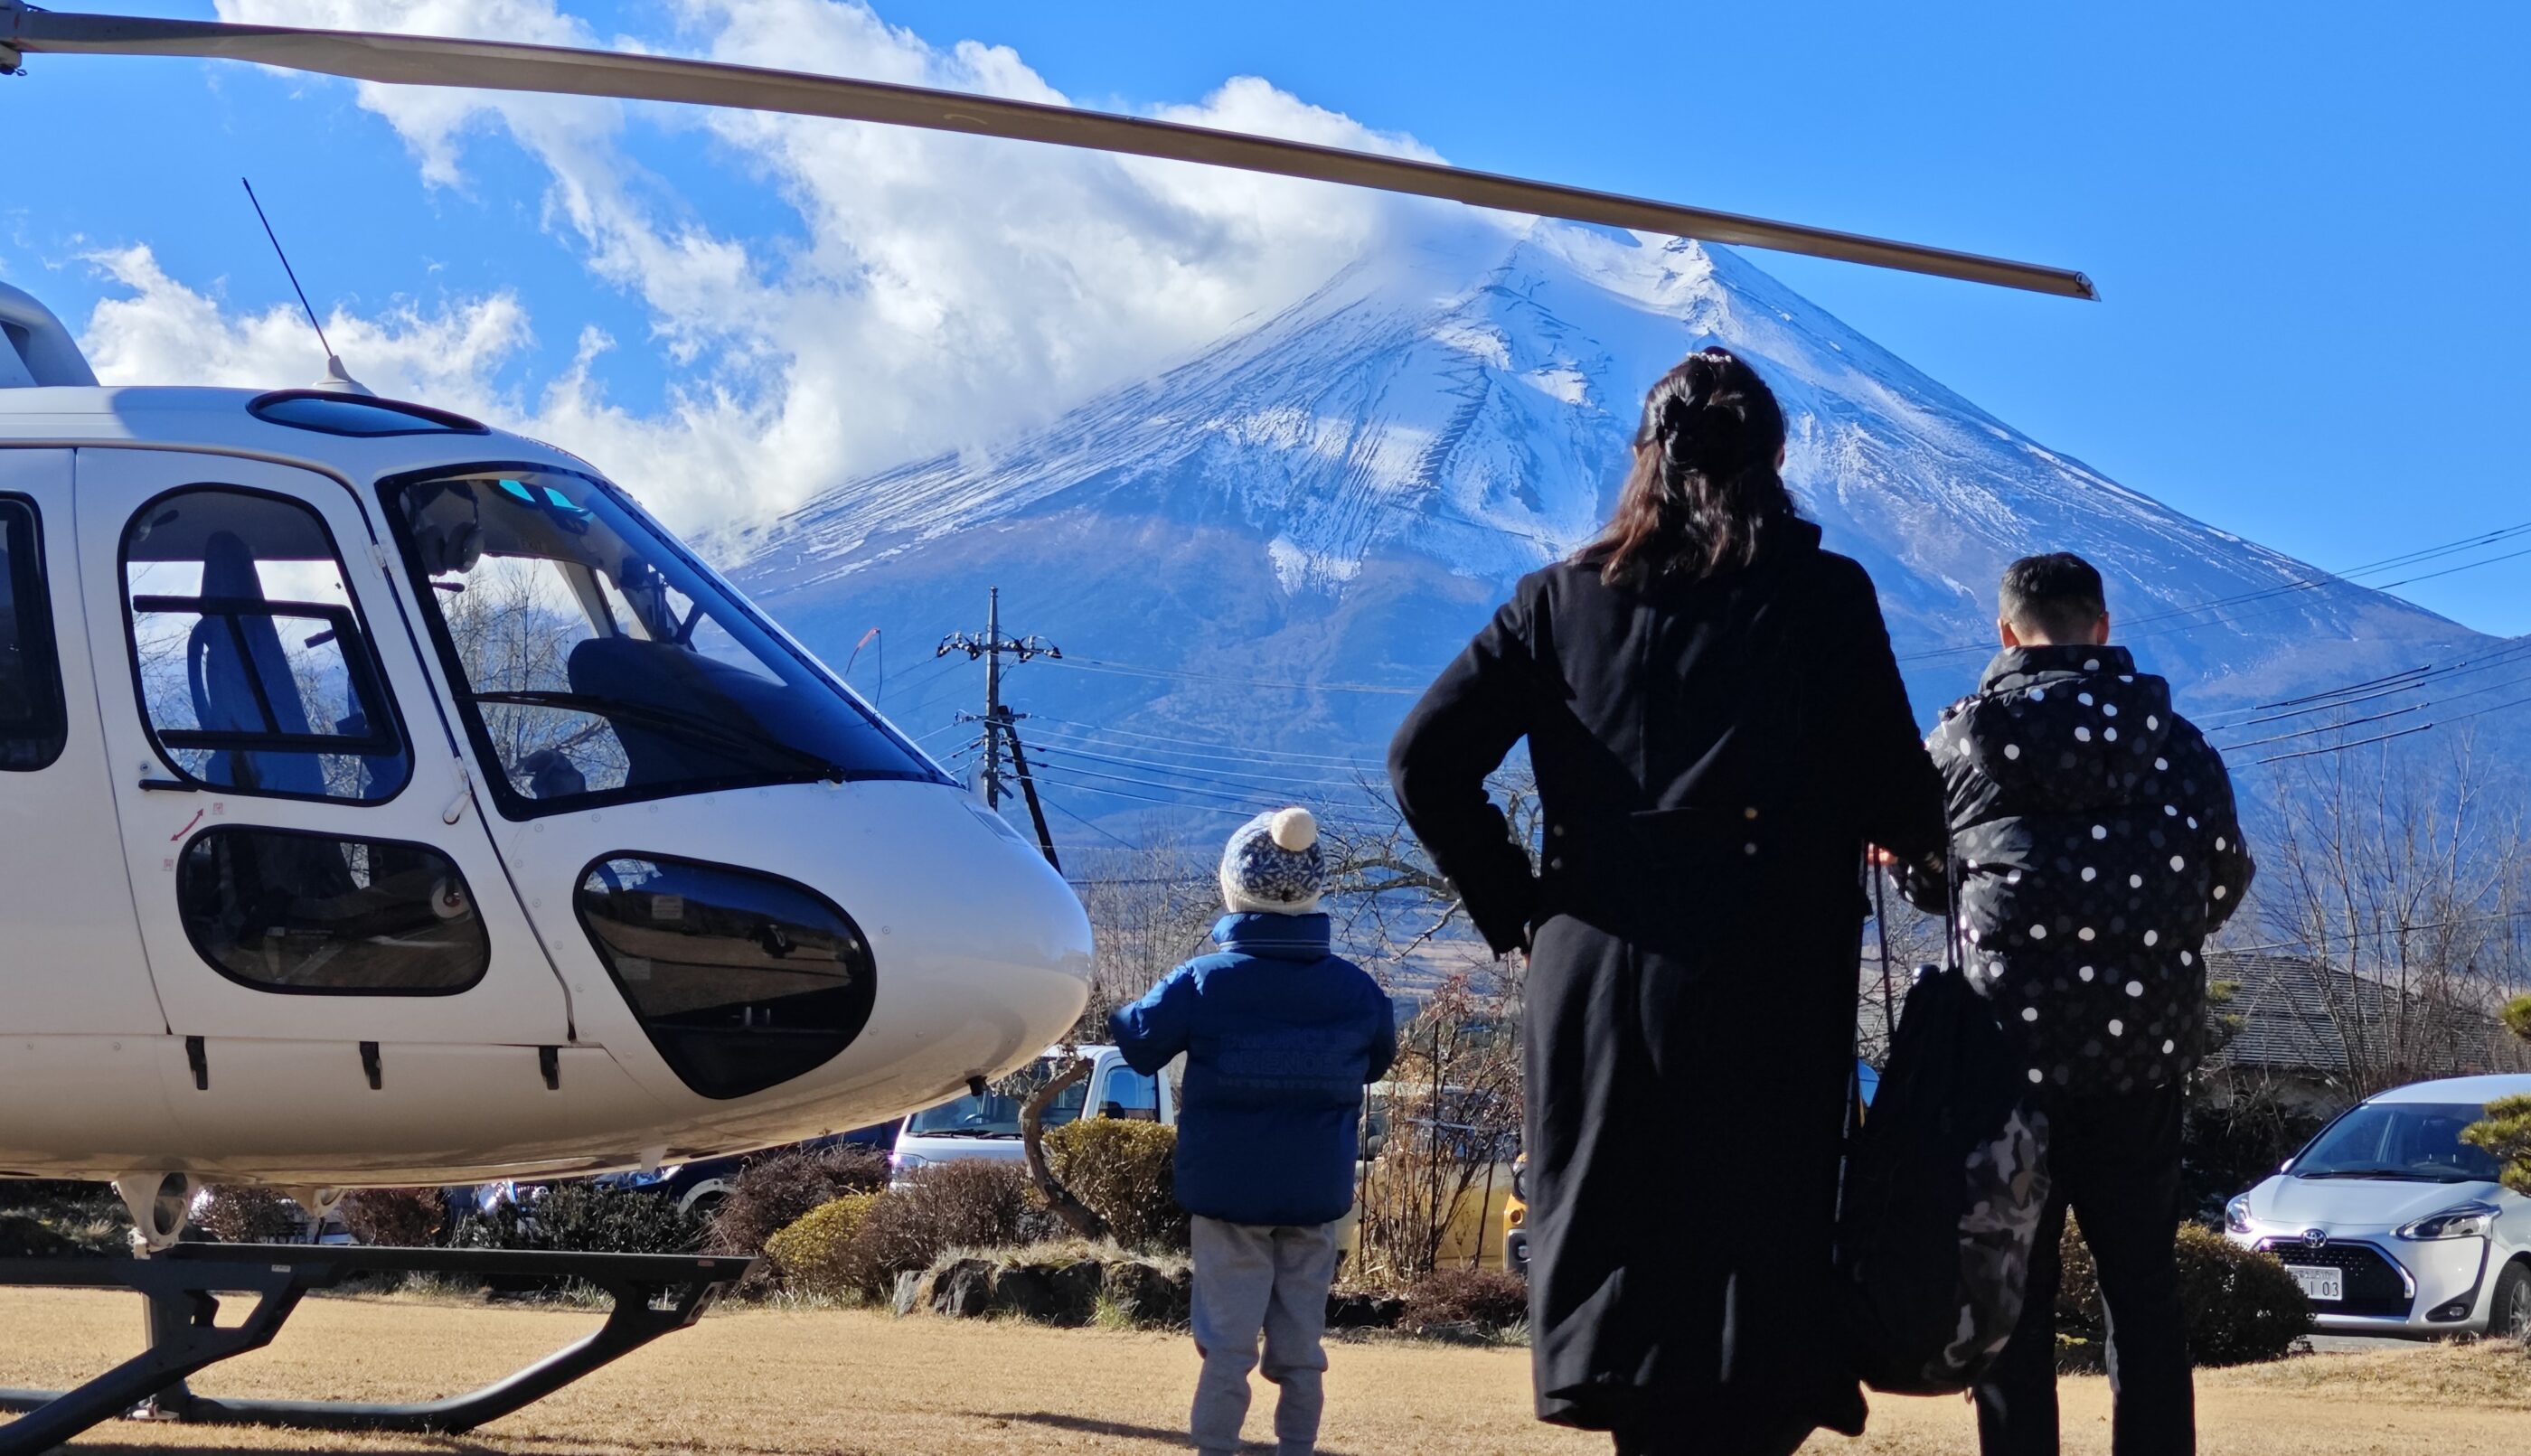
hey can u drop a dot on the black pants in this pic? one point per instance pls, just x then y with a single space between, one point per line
2115 1161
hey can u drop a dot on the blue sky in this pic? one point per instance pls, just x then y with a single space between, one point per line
2308 221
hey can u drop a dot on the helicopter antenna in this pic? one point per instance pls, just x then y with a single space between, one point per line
335 375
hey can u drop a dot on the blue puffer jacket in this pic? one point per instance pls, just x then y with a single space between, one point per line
1279 1034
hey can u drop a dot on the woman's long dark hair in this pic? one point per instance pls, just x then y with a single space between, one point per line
1704 490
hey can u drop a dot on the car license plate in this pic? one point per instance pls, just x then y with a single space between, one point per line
2321 1285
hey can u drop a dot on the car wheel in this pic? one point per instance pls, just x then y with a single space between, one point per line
2510 1315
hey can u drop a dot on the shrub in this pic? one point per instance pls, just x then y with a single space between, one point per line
810 1256
584 1217
1489 1299
395 1217
1126 1171
2242 1305
780 1187
249 1215
2506 1132
964 1205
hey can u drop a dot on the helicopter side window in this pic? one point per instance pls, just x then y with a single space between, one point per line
313 915
742 980
32 725
597 662
251 665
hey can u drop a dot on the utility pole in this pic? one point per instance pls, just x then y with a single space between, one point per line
998 720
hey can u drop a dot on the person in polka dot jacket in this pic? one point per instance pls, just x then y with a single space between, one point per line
2095 847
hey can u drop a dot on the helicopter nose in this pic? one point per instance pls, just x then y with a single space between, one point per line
963 952
981 951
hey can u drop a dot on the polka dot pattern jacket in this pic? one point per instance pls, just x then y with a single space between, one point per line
2095 837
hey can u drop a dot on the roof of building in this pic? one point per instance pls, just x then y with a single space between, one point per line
2295 1015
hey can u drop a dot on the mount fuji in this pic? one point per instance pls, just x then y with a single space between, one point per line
1267 550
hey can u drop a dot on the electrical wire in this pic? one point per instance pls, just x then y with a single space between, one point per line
1251 803
2305 584
1217 775
1207 747
1094 664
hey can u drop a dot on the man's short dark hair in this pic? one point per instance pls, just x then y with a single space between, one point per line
2057 596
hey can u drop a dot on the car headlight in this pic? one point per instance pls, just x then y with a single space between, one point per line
2236 1215
2467 1221
907 1162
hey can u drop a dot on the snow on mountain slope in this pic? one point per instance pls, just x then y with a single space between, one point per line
1340 493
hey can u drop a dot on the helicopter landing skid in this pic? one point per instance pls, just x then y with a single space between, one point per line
654 1295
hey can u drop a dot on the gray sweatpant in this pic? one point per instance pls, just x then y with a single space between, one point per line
1252 1279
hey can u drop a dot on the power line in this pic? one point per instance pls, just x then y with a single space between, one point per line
2343 746
1093 664
1093 827
1209 747
1257 801
2340 726
1215 775
2291 586
1245 804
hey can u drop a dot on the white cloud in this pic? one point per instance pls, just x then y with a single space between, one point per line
166 332
944 290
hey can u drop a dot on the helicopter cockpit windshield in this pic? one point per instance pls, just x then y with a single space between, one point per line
598 664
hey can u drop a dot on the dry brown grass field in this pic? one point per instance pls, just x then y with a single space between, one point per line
770 1384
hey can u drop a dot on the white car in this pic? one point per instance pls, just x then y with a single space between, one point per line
2394 1225
988 1126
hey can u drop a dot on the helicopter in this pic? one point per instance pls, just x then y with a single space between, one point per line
387 799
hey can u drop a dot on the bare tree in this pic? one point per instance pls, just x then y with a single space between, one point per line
1150 908
2404 880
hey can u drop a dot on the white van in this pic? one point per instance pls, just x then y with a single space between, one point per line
988 1126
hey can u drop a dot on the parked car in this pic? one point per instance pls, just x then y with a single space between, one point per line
987 1127
700 1187
2394 1225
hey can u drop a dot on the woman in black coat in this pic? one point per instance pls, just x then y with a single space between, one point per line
1717 728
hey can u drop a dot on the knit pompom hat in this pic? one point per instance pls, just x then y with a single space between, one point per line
1273 865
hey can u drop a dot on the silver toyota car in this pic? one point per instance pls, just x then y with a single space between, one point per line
2395 1226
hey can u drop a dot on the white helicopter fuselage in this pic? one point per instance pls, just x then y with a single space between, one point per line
151 1022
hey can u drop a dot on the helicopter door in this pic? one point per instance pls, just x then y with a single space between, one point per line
310 871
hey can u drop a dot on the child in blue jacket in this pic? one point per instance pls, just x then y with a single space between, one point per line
1280 1036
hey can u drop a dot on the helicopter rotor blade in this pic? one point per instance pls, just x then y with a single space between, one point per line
503 66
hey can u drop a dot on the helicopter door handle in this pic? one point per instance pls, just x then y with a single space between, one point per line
456 809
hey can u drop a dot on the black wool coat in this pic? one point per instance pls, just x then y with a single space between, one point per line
1712 756
2097 846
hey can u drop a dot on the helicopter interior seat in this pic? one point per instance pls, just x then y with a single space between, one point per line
674 678
237 667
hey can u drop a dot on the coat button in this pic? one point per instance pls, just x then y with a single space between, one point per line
1556 863
1750 812
1557 830
1749 849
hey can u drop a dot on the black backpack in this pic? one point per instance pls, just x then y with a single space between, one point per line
1945 1181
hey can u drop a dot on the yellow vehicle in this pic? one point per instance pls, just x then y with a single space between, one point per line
1515 1238
1482 1186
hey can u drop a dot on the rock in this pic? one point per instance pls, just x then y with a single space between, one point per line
1358 1309
1025 1292
909 1292
964 1289
1076 1288
1139 1289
